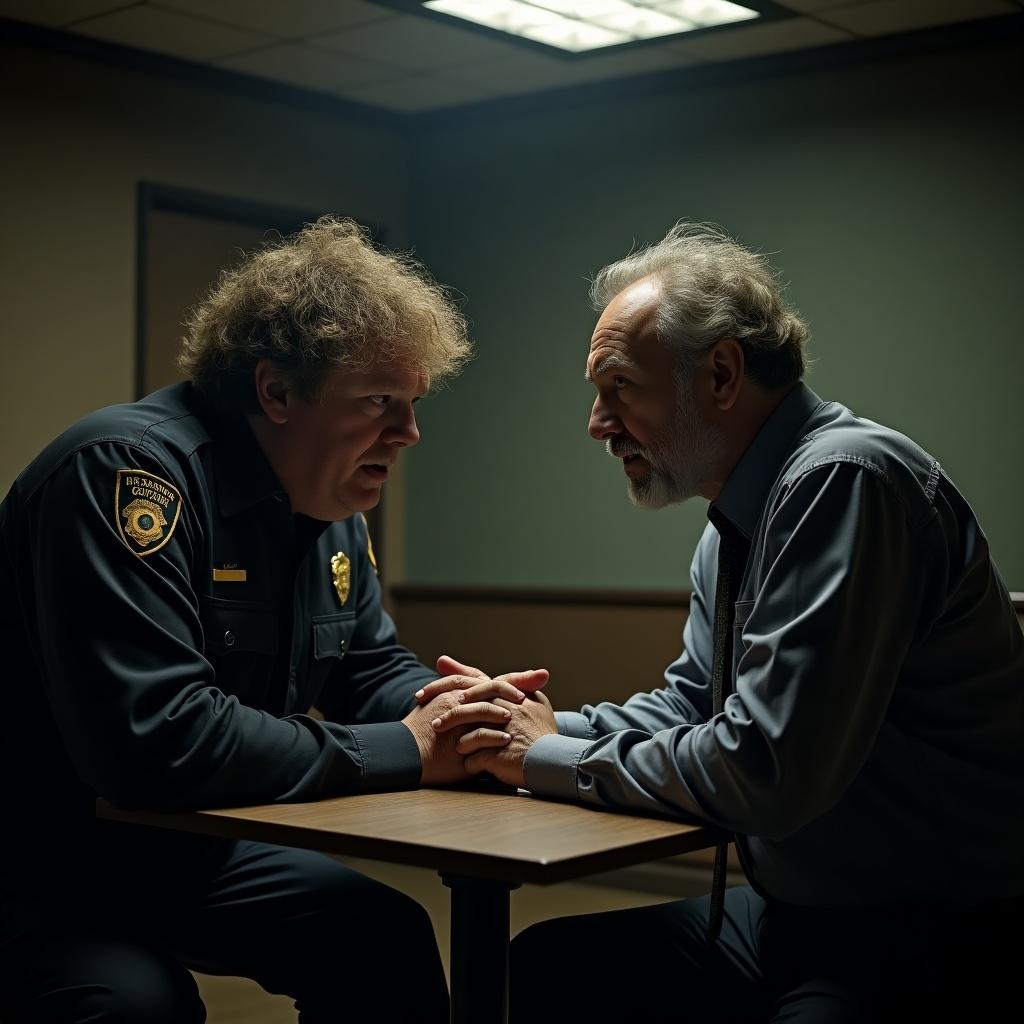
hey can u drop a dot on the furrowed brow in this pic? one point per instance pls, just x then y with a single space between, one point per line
610 362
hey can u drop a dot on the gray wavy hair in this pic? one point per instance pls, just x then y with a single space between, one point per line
323 298
715 288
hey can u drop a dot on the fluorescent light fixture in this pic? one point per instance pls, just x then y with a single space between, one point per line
585 8
505 15
641 24
569 34
705 13
580 25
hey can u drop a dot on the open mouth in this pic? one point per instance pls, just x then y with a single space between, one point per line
634 464
376 471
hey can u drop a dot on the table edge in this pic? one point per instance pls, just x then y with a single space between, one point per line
474 865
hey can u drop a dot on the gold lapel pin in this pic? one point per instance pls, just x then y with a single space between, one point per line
341 572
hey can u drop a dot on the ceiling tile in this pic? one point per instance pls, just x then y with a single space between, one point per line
524 71
529 72
642 60
413 93
810 6
56 13
416 43
308 68
374 54
149 28
289 20
759 39
884 16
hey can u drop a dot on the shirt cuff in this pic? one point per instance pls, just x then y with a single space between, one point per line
572 723
391 759
551 765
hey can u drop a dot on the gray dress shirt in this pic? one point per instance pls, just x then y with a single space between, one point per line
872 749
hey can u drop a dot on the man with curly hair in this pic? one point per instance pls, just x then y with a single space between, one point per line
184 579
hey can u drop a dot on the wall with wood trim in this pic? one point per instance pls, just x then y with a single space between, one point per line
594 651
597 645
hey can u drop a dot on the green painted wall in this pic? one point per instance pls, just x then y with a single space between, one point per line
891 194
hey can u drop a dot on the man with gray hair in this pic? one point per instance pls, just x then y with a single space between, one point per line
848 705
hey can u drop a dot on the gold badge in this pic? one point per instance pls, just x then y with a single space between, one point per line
146 510
341 572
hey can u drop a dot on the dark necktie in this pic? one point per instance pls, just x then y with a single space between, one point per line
732 558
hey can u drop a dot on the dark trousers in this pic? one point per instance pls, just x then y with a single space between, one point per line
773 962
111 940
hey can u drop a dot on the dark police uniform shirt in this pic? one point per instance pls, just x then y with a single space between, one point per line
872 749
167 623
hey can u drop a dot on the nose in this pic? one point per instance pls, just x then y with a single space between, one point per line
404 432
603 423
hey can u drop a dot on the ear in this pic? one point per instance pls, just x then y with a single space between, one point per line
271 391
727 368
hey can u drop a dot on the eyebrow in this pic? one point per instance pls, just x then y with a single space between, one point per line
612 362
383 383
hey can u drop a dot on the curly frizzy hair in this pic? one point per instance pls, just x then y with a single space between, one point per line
321 299
715 288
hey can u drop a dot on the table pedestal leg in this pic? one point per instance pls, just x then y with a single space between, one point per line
479 949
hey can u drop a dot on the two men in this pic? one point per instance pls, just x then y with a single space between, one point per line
849 703
183 578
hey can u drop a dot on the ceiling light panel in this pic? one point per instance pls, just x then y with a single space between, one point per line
706 13
577 36
581 25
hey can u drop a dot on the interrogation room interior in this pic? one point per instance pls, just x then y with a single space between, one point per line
872 147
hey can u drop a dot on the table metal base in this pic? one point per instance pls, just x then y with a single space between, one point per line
479 949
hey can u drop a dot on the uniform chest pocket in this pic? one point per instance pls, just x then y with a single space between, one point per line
236 627
332 635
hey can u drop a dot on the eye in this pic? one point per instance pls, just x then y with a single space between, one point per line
379 400
620 382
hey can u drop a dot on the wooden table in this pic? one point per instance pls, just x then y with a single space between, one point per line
483 843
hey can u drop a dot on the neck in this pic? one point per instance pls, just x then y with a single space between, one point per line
267 438
739 425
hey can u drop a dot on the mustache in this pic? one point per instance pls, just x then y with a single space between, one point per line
620 447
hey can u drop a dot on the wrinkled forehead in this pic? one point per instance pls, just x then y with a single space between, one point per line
626 332
385 378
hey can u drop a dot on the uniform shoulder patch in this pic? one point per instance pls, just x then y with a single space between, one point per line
146 510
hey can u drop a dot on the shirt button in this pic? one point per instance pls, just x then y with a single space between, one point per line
229 639
341 647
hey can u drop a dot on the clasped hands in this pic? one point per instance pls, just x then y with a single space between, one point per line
466 723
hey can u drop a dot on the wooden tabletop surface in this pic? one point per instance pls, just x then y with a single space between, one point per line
497 835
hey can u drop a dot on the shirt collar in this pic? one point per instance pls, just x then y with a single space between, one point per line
244 477
744 494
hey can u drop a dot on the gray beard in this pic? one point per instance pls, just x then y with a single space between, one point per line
680 461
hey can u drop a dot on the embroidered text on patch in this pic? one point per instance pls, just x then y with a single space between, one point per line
146 510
